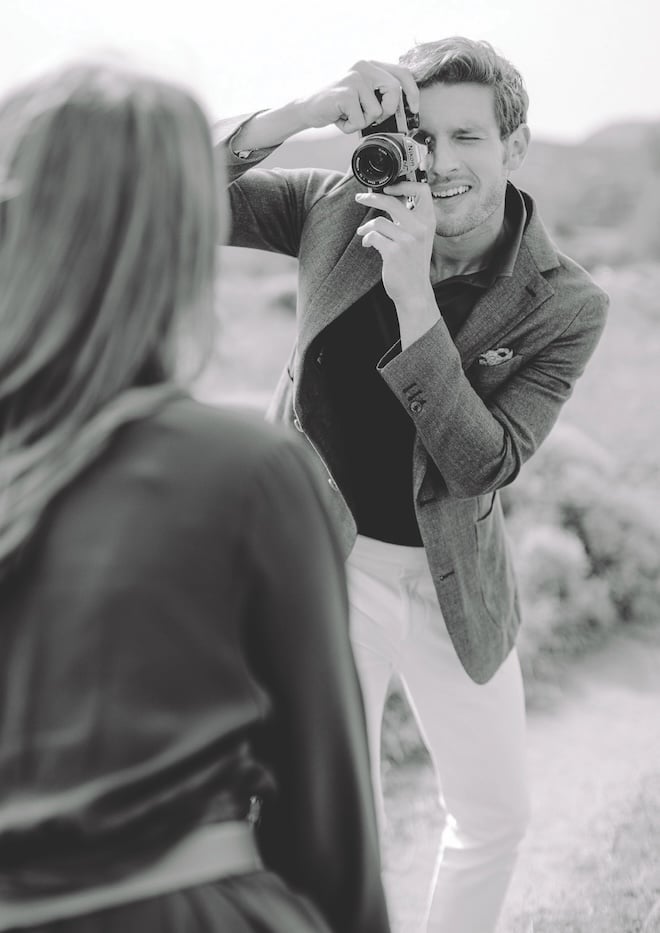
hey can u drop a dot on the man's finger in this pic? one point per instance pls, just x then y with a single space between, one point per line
417 189
384 202
372 107
412 194
352 116
379 242
382 225
390 98
407 82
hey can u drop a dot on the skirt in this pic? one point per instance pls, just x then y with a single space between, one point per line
257 902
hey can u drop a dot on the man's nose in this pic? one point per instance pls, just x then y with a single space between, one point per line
443 160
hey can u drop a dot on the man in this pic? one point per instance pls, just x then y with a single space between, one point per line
435 348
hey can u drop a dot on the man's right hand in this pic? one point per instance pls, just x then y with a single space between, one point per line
351 103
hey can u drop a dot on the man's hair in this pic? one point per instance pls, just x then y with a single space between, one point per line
458 60
108 224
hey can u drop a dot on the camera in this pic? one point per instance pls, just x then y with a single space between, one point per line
390 151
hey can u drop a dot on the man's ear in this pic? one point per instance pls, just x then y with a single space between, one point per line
516 147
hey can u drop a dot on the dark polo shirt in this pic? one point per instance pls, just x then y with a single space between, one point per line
376 433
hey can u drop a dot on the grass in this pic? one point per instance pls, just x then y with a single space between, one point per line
616 892
589 862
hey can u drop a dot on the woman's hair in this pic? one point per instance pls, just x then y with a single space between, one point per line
462 61
109 219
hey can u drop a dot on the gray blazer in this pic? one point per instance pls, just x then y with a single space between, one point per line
476 424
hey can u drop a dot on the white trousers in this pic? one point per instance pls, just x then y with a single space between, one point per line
475 733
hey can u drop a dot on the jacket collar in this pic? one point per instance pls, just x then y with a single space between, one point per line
502 307
511 298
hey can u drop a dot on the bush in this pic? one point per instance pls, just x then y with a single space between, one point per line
401 742
587 554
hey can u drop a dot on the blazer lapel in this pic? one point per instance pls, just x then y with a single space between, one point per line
350 269
505 304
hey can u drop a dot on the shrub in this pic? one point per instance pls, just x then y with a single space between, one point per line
401 741
587 554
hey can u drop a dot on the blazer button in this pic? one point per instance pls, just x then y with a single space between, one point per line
332 484
416 406
297 425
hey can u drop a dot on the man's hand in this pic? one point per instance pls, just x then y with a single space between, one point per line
351 103
405 242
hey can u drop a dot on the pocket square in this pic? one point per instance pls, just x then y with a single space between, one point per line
495 357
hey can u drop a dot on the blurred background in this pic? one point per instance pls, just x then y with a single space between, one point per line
584 515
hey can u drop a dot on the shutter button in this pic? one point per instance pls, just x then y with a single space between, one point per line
416 406
333 485
297 425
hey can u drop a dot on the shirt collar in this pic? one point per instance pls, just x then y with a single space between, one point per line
515 221
504 260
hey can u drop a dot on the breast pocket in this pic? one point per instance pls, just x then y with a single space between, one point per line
489 379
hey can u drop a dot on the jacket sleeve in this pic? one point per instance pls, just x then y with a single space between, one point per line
319 832
269 206
479 445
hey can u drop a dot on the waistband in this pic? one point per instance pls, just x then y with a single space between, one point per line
208 853
401 556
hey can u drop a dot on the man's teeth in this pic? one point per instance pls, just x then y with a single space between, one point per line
451 192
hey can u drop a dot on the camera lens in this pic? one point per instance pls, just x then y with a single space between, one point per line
377 162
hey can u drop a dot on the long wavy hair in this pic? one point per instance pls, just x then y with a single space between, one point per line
110 212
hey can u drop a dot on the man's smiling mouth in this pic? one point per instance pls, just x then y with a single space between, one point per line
450 192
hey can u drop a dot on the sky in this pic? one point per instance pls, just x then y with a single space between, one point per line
586 63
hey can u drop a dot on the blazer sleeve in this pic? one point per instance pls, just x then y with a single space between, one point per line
269 206
479 445
319 832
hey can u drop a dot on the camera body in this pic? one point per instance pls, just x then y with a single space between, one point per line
389 151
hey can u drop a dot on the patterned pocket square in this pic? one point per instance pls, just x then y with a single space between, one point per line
495 357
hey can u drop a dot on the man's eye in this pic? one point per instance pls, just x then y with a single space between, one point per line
469 138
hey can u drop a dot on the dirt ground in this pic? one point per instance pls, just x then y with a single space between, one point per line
591 861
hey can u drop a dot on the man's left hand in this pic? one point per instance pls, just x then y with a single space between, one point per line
405 243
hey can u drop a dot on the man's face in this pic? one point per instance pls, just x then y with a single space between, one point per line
468 162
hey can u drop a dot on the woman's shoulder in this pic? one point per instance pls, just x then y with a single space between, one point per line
209 424
196 437
220 450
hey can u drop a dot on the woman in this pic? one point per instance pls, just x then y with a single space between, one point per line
173 637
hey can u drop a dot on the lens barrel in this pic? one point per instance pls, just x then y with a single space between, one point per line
378 161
